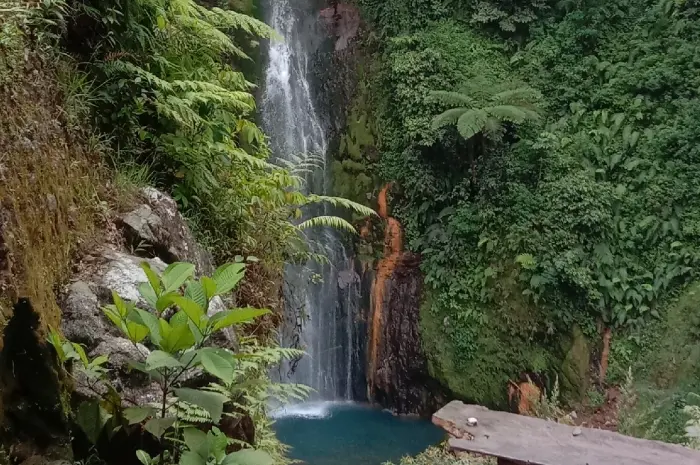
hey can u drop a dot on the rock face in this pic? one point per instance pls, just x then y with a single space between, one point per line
400 380
159 224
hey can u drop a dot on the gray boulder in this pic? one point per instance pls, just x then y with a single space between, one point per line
158 223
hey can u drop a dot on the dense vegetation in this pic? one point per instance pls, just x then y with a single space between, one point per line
563 207
154 93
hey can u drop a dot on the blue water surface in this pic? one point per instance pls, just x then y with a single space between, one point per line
331 433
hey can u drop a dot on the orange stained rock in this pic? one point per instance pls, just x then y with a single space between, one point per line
381 201
527 393
393 245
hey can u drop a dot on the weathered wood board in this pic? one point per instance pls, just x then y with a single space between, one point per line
538 442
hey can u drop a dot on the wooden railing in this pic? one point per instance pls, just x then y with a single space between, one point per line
517 439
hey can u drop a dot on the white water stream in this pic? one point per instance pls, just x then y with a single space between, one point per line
320 300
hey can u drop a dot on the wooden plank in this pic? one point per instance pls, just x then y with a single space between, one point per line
538 442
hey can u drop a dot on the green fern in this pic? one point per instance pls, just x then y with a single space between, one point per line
482 107
335 222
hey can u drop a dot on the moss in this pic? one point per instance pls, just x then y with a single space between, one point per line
665 362
498 353
354 164
574 369
48 189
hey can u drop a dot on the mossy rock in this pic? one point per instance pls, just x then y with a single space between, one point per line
574 369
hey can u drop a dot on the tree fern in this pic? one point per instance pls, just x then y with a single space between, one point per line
329 222
481 107
344 203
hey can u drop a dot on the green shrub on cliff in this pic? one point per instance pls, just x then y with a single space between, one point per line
586 219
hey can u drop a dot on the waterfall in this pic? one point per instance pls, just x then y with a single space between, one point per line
320 299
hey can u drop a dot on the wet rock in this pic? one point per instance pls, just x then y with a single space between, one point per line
158 223
401 381
342 20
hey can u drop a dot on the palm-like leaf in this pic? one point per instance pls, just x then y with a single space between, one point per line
335 222
481 107
472 122
448 117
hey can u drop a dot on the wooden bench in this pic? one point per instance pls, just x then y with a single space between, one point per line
517 439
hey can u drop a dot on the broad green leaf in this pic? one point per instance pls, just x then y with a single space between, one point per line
190 358
137 414
136 331
141 366
99 360
198 335
236 316
113 314
192 458
197 293
227 276
81 353
216 365
153 278
148 320
158 426
55 340
164 328
119 304
92 419
165 301
192 309
176 274
143 457
196 441
179 319
180 338
248 457
209 286
159 359
212 402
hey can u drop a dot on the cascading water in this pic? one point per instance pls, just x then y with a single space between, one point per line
320 300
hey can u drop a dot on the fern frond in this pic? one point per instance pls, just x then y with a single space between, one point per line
190 413
518 96
335 222
493 128
453 98
448 117
341 202
471 122
509 113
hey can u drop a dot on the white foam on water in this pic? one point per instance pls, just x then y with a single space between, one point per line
308 409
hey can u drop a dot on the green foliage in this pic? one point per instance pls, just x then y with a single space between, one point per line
177 110
692 428
664 366
586 216
481 107
441 456
595 398
178 326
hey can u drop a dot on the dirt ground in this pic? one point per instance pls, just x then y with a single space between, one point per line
602 417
